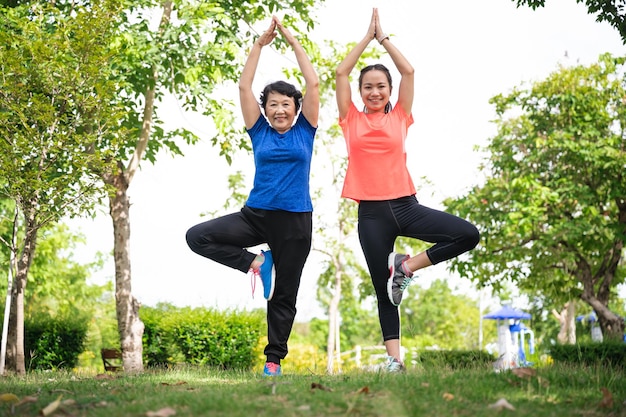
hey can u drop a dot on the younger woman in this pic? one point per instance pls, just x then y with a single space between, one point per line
378 179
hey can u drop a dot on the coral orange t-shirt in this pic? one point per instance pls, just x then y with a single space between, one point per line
376 155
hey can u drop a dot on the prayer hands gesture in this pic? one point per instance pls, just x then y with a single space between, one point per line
268 36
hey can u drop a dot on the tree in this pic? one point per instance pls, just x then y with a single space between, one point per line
52 101
552 209
611 11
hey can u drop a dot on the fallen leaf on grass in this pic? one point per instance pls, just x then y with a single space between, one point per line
501 404
9 398
525 373
26 400
176 383
425 384
607 399
364 390
163 412
447 396
315 385
52 407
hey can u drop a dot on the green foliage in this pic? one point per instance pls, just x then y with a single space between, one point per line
224 339
53 92
58 285
455 359
435 316
102 331
552 207
611 354
159 344
54 342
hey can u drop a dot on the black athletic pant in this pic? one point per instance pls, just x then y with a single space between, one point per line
381 222
288 235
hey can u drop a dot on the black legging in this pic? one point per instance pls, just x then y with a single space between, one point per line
288 235
381 222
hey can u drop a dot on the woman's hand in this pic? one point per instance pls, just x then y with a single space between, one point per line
268 36
378 29
285 32
371 30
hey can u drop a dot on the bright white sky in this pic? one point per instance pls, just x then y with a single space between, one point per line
464 53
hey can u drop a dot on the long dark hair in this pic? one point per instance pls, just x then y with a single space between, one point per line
284 88
385 70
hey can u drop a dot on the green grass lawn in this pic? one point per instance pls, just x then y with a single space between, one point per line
550 391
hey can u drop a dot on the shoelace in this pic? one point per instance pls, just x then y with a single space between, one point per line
272 368
406 282
254 275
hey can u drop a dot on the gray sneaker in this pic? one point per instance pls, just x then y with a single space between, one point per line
398 279
393 365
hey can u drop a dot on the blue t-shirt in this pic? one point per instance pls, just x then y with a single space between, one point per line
283 165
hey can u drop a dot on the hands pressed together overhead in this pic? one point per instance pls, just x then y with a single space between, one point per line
268 36
375 30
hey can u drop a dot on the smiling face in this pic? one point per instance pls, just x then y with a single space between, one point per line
375 90
280 111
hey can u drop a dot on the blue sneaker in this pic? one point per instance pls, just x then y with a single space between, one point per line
272 369
267 272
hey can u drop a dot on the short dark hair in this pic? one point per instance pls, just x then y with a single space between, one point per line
284 88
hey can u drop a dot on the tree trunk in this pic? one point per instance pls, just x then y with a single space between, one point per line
570 320
597 289
611 324
567 321
129 325
15 344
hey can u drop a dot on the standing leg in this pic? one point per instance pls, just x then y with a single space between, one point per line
289 237
377 233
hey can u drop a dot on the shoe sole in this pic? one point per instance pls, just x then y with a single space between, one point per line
272 279
272 284
391 263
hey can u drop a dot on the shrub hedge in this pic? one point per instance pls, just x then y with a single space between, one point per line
455 359
199 336
609 353
54 342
